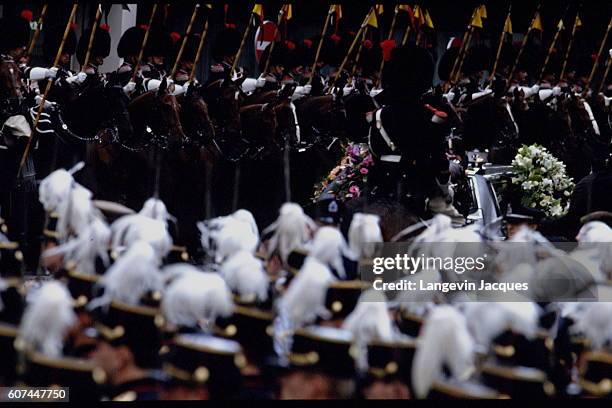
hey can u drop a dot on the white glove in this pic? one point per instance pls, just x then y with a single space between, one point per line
38 100
249 85
450 97
375 91
261 82
300 92
39 73
347 90
545 94
77 79
129 87
556 91
51 73
178 89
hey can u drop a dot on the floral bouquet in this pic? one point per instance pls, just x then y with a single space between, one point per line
347 180
543 180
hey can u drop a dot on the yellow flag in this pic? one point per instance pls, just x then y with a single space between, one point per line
560 26
483 11
508 25
288 12
258 9
404 7
372 20
209 5
418 15
337 9
380 9
578 21
428 20
476 18
537 23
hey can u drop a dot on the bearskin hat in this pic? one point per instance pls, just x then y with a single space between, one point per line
52 38
370 58
159 43
131 41
101 44
226 43
299 54
477 59
15 31
532 59
410 70
333 50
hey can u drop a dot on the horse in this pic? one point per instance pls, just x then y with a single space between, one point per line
489 123
577 143
194 165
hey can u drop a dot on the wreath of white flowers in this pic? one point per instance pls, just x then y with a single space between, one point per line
543 180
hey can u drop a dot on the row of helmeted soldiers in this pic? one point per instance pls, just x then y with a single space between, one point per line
282 312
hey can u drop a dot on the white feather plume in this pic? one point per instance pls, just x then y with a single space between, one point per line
595 324
195 297
54 188
328 246
136 227
487 320
210 229
291 230
235 236
363 231
135 273
47 319
83 250
369 322
304 300
156 209
245 275
445 340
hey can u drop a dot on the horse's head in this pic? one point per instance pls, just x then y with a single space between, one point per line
285 114
158 112
9 88
224 98
195 115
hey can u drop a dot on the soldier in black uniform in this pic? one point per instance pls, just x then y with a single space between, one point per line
128 49
54 152
100 49
17 193
187 59
158 46
224 49
407 137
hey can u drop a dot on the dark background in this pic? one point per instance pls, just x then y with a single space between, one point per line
450 18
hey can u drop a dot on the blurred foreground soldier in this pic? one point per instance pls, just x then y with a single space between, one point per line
99 50
128 325
410 167
202 367
47 323
320 365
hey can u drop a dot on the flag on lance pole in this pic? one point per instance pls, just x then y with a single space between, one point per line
263 37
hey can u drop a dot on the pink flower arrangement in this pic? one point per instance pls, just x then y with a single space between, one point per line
348 179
